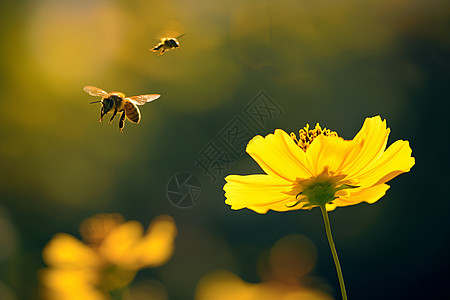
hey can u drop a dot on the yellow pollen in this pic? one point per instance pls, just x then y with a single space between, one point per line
306 135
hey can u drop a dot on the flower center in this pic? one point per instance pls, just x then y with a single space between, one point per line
114 277
95 229
320 190
320 193
306 135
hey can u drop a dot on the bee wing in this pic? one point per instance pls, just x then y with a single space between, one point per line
169 33
95 91
142 99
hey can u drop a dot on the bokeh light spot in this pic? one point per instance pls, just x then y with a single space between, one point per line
74 39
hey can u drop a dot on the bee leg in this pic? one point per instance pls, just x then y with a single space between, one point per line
156 48
102 113
122 122
112 118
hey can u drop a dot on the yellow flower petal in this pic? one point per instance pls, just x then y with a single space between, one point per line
223 285
259 193
332 153
70 284
117 247
65 251
126 246
157 245
393 162
369 195
373 138
279 156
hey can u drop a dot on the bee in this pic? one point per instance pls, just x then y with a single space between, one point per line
116 102
167 44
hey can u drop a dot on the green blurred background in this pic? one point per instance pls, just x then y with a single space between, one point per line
335 62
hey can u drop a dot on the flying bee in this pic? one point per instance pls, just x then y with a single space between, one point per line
116 102
167 44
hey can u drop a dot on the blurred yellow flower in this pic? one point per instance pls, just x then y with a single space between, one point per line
224 285
114 250
319 168
284 272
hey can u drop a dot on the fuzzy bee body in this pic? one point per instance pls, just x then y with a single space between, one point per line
116 102
167 44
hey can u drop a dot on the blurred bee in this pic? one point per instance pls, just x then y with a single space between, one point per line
116 102
167 44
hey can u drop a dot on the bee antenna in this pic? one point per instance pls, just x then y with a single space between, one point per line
180 35
95 102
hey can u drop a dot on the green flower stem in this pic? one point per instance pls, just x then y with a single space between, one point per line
333 251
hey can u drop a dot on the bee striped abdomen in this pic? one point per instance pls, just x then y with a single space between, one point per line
132 112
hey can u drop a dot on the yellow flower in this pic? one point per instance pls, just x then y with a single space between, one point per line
319 168
224 285
113 252
283 270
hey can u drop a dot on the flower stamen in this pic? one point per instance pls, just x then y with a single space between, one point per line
306 135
